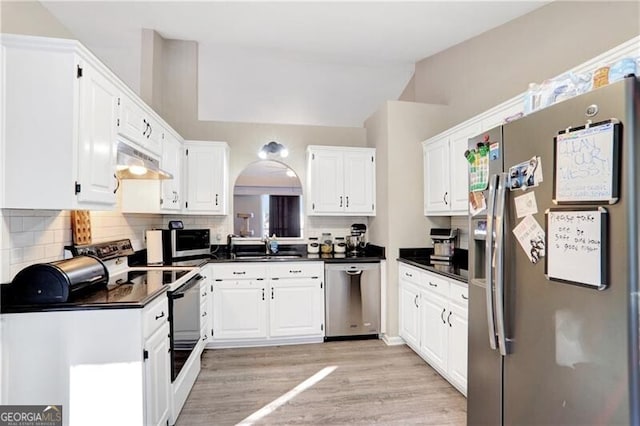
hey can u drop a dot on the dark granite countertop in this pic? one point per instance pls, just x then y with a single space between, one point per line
419 257
256 253
102 298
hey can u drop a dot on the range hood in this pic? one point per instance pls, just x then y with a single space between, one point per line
134 164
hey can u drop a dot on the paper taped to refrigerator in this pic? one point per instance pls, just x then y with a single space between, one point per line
576 246
530 235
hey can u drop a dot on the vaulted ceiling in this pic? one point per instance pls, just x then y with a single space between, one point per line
318 63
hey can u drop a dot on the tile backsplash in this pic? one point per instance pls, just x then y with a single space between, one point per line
38 236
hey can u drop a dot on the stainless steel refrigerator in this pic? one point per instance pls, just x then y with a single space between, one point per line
545 348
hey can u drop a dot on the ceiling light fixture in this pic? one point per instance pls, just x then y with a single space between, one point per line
273 148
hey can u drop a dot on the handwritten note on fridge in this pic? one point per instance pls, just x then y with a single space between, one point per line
586 165
576 246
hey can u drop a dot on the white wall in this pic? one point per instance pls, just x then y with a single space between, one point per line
266 86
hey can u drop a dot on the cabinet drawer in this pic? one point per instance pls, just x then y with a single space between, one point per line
409 273
296 270
155 315
239 271
459 294
436 284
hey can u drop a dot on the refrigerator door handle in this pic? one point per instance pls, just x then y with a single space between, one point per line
491 198
499 261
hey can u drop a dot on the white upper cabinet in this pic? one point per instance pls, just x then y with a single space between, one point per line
340 181
446 172
172 155
61 104
436 177
206 174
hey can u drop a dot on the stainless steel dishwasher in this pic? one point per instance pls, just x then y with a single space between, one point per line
352 299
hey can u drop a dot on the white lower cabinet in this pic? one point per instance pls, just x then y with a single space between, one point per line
433 321
263 304
114 362
434 333
157 377
409 311
240 309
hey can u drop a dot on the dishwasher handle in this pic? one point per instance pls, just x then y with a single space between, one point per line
356 272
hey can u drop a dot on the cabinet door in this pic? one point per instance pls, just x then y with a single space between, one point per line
436 177
409 313
434 330
205 308
206 179
157 377
172 163
325 182
359 182
97 138
132 121
459 168
154 136
239 309
296 307
457 323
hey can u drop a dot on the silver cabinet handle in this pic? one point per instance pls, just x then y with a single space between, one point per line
445 198
408 274
204 314
341 201
465 297
216 199
488 248
272 293
295 271
160 316
347 201
449 318
415 301
239 273
442 315
432 284
263 294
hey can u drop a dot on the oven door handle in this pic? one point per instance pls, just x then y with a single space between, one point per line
179 293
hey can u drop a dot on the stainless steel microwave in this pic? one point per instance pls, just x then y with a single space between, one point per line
185 242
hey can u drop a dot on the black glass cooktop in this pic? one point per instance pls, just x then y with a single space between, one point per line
131 286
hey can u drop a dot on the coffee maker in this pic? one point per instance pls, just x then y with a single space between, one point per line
356 242
444 244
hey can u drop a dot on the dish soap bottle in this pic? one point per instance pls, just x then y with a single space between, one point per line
273 244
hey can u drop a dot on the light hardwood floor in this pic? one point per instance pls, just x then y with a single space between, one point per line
373 384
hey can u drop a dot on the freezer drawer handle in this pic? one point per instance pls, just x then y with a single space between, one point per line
442 315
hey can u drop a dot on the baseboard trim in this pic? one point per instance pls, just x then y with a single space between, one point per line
393 340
